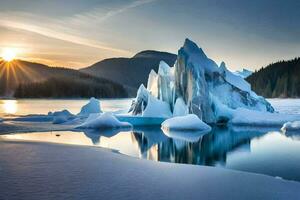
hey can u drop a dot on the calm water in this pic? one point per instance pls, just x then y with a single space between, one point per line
258 150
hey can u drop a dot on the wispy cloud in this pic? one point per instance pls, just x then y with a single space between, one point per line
97 15
68 29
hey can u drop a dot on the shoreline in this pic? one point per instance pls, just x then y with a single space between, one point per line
56 171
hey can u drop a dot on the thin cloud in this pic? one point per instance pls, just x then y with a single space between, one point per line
63 29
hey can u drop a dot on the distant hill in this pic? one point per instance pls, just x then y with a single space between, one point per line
130 72
280 79
27 79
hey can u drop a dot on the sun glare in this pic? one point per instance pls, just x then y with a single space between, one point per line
9 54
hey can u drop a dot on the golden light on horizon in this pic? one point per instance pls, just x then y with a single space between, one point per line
9 54
10 106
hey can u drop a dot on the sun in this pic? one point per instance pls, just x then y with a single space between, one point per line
9 54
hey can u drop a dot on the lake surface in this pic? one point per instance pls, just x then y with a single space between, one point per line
257 150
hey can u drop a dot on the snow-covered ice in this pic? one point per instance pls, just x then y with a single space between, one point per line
156 108
180 109
102 121
60 117
291 126
146 105
244 116
95 173
188 122
93 106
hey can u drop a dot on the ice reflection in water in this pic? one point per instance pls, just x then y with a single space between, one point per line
256 150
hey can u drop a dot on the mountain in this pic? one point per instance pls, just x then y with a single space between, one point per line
244 73
28 79
280 79
130 72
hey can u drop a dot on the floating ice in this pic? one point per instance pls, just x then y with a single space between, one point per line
189 122
291 126
105 120
93 106
60 117
244 116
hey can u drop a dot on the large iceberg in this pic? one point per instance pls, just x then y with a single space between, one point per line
197 85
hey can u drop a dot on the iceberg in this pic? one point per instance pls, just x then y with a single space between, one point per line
188 122
291 126
196 85
93 106
103 121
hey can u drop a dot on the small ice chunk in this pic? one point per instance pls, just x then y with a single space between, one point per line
105 120
60 117
180 109
189 122
1 120
291 126
93 106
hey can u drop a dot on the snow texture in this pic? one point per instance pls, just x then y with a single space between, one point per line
188 122
93 106
102 121
180 109
73 172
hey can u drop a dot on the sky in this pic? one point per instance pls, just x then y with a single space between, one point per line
78 33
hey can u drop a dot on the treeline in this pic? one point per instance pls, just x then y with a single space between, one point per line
281 79
70 88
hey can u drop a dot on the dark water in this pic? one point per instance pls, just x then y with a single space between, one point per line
259 151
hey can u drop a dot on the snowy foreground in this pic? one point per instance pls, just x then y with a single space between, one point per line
69 172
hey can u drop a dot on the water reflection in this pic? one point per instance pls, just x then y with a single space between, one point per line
254 150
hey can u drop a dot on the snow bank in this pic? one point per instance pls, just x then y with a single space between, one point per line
244 116
291 126
96 173
189 122
105 120
93 106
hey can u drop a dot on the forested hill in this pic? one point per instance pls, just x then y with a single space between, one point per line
24 79
280 79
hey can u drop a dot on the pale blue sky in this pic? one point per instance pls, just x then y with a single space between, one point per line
77 33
